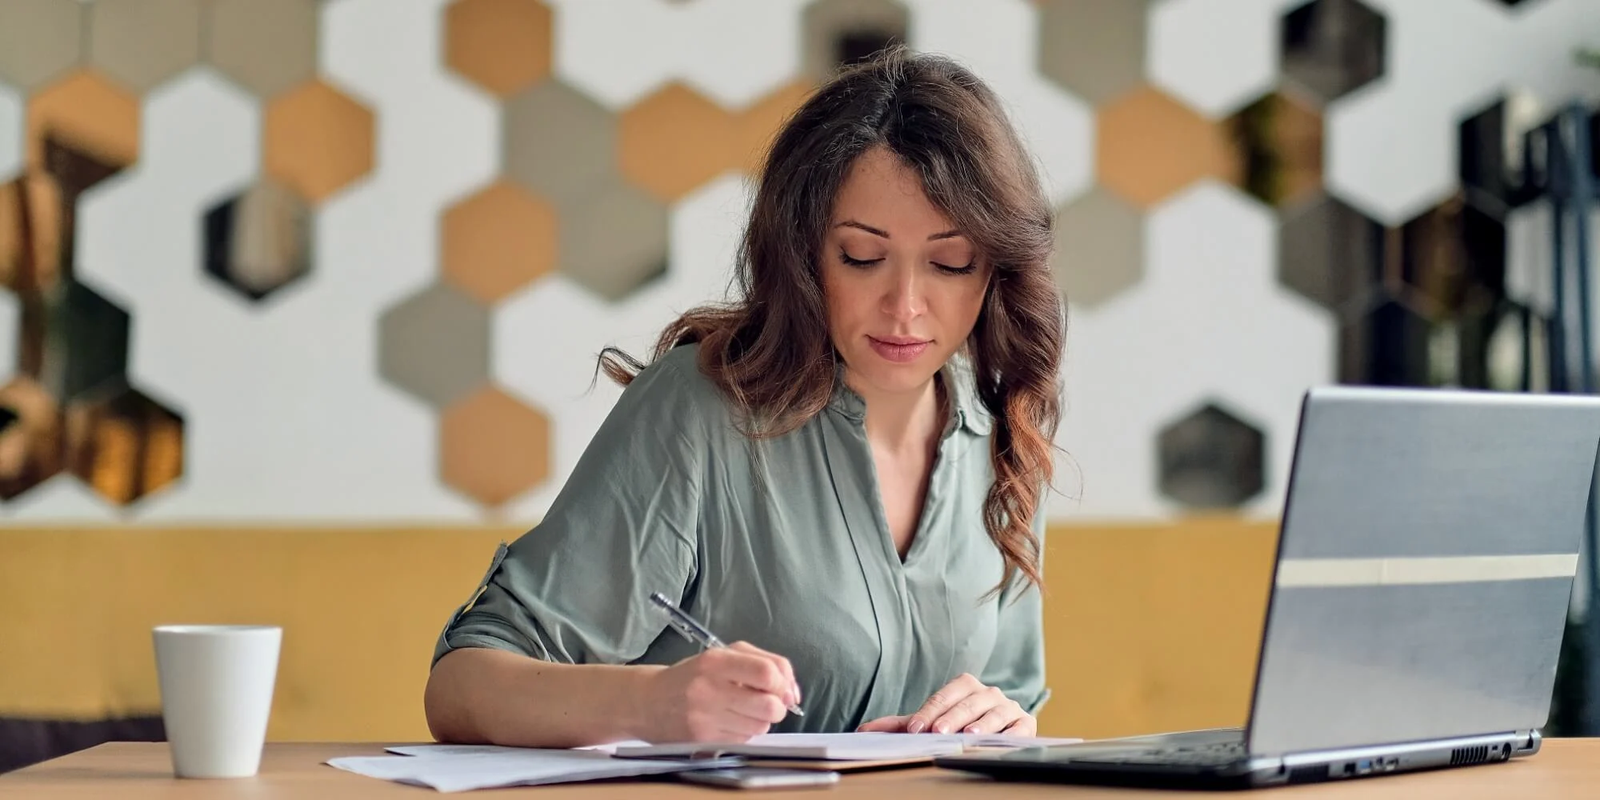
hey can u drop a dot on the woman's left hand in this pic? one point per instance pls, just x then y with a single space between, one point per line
964 705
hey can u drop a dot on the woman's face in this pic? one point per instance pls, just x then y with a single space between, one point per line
904 288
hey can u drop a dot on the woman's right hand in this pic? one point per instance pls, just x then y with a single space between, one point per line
721 695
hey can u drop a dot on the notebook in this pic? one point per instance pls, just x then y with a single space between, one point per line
872 746
453 768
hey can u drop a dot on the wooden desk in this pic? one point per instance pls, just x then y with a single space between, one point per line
140 771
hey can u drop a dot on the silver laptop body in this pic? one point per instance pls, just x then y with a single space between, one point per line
1426 560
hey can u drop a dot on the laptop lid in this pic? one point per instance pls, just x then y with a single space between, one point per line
1426 560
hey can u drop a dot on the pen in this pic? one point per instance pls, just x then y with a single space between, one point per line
697 633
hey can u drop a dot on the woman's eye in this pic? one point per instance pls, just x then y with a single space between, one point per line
966 270
857 262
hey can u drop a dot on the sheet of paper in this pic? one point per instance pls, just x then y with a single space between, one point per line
454 768
839 746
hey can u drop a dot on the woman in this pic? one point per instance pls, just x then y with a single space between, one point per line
842 472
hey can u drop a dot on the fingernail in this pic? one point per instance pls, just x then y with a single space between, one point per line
944 727
916 726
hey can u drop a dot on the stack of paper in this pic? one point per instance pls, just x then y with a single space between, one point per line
452 768
835 746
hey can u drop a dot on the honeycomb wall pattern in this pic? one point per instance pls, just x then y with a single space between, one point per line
251 249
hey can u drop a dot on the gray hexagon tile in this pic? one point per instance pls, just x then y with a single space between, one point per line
614 241
558 142
1330 253
1211 459
266 47
39 40
837 32
1333 47
1094 49
11 116
141 43
435 345
1099 247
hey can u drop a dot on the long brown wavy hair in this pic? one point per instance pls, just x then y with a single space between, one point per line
768 350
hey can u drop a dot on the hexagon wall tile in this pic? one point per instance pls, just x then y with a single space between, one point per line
318 140
614 241
88 113
1330 254
203 145
1277 144
125 445
268 48
673 141
730 50
1151 146
435 345
10 132
501 45
1216 55
1210 459
30 451
1099 247
836 32
498 240
559 143
1093 49
1331 48
997 40
705 227
259 240
1208 321
39 40
493 447
140 43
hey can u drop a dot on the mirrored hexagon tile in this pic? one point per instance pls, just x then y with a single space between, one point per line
266 47
31 437
259 240
435 345
1151 146
1453 256
1211 459
39 40
1093 49
1099 247
1333 47
317 140
83 348
497 241
1330 253
124 444
673 141
492 447
501 45
614 241
141 43
1387 345
840 32
558 142
1277 149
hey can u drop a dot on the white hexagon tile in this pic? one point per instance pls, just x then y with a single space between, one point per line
997 40
1216 55
1209 320
732 51
11 115
575 325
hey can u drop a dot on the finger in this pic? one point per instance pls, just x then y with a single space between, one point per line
941 702
750 669
1026 725
995 720
894 724
968 709
782 663
762 707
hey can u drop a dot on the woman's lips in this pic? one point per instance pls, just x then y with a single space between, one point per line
899 349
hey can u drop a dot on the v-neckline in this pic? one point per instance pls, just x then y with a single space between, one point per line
919 531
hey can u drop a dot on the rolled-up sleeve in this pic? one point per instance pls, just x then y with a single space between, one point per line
575 588
1017 665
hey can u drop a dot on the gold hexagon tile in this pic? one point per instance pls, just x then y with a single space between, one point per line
267 47
674 141
317 140
497 241
39 40
501 45
492 447
88 113
1278 149
1150 145
141 43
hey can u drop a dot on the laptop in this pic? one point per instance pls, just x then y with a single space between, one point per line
1425 563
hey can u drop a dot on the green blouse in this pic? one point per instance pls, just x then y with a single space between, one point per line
781 544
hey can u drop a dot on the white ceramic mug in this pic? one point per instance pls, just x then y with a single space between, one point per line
216 695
